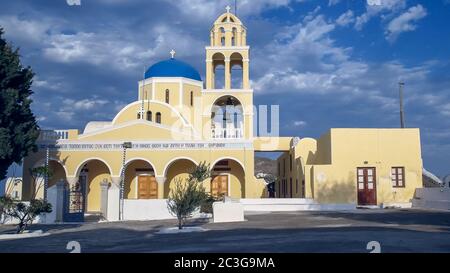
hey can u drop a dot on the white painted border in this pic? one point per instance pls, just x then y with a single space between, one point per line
179 80
41 162
230 158
136 159
151 101
85 161
175 159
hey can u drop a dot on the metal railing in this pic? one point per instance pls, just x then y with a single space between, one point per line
53 135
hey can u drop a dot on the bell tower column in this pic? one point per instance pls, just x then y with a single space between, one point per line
227 74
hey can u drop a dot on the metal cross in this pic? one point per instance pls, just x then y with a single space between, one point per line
228 9
173 53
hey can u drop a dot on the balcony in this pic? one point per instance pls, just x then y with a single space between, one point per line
55 135
227 133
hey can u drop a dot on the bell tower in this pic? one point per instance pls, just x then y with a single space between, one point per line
228 53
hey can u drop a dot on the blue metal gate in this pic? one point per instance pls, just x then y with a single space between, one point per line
74 201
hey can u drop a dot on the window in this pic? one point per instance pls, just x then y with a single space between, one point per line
158 117
138 115
296 185
149 115
192 98
284 167
398 177
167 96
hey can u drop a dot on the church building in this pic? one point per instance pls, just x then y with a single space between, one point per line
178 120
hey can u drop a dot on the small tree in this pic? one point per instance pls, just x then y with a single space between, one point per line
27 213
6 203
188 195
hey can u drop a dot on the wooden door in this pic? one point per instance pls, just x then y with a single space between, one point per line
147 187
367 186
219 185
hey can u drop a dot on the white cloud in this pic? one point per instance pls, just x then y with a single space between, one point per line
206 9
300 123
405 22
333 2
345 19
387 8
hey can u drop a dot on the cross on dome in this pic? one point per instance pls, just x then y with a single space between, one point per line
228 8
173 52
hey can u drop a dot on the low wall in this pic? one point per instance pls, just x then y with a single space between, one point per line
152 209
432 198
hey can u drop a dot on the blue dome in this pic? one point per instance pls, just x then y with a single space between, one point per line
172 68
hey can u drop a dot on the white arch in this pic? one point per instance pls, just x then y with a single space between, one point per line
129 161
175 159
41 162
224 96
230 158
177 113
80 166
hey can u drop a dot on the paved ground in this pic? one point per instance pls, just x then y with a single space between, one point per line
395 230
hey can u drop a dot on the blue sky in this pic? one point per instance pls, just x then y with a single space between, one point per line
329 63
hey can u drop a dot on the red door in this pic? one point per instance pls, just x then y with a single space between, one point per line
367 186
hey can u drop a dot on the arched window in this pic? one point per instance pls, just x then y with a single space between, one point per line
158 117
167 96
222 36
138 115
192 98
149 115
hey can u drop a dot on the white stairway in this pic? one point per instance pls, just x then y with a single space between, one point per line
290 204
432 198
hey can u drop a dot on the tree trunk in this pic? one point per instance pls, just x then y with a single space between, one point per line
180 223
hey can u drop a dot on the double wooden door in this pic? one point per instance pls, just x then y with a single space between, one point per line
367 186
219 185
147 187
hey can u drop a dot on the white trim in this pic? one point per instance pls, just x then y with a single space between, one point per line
136 159
227 48
172 80
237 91
230 158
152 101
38 163
175 159
134 122
78 169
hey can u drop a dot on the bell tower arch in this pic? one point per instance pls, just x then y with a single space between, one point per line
228 53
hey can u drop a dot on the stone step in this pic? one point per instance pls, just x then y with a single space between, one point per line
288 204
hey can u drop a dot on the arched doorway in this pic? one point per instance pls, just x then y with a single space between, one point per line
177 170
140 180
227 119
57 173
228 178
91 173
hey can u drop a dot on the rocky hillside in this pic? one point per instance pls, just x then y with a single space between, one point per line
265 165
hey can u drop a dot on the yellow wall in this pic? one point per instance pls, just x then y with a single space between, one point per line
329 169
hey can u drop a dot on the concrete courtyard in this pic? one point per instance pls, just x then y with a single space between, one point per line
330 232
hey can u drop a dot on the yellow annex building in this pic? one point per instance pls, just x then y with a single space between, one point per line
178 121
